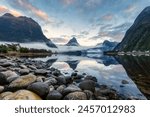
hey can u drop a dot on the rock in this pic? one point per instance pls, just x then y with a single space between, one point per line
54 95
61 80
89 94
71 88
68 79
32 67
23 66
51 88
41 72
22 95
61 88
1 88
101 98
90 78
3 79
23 81
2 69
74 74
10 73
87 85
24 71
51 81
7 64
56 73
125 82
76 96
39 88
78 76
4 94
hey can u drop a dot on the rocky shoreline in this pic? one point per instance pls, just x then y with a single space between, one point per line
26 79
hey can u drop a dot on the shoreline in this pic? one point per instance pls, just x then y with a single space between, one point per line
33 80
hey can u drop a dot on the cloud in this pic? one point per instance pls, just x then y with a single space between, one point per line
59 40
109 31
26 6
130 9
93 3
4 9
107 17
68 2
84 33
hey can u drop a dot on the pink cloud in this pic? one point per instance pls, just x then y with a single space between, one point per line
4 9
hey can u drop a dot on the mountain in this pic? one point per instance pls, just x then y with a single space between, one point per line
21 29
138 35
73 42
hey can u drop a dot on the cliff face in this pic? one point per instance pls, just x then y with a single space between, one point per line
21 29
138 35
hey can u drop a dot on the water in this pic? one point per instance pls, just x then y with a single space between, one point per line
109 71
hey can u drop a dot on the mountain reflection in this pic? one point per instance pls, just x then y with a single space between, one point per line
138 69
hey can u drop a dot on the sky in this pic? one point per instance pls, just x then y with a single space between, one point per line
90 21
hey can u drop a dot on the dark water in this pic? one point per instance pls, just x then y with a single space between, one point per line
110 71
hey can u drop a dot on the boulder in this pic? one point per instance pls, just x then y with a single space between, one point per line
22 95
71 88
23 81
76 96
41 72
87 85
54 95
24 71
3 79
39 88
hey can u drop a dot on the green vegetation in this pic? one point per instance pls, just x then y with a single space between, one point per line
18 49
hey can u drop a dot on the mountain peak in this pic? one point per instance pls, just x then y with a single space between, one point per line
73 42
8 15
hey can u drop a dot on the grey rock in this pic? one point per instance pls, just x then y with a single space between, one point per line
90 78
51 88
54 95
61 80
24 71
1 89
87 85
89 94
61 88
41 72
51 81
39 88
71 88
76 96
3 79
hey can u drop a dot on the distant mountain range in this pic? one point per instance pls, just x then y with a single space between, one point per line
73 42
22 30
138 36
105 46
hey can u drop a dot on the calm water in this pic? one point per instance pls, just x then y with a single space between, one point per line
109 71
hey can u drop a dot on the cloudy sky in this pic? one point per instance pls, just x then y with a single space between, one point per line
90 21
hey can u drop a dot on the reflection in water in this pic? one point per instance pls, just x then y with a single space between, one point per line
138 69
106 69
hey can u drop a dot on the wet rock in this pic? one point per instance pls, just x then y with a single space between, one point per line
89 94
1 88
87 85
39 88
56 73
41 72
2 69
61 88
101 98
23 81
90 78
74 74
68 79
71 88
61 80
10 73
125 82
32 67
54 95
22 95
78 76
76 96
51 81
3 79
24 71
